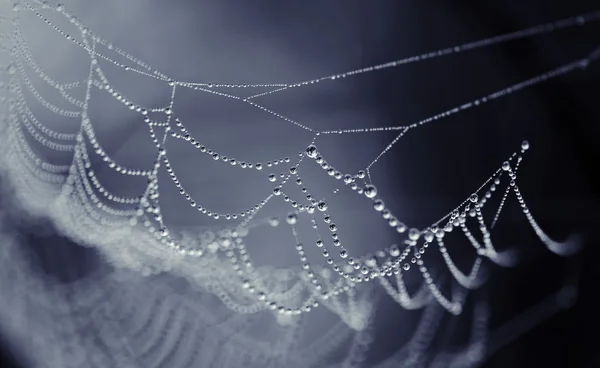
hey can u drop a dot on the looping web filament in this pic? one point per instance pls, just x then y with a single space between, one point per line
341 277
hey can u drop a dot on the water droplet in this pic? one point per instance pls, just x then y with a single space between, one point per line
371 261
428 236
378 205
370 191
272 177
414 234
506 166
400 228
311 151
292 218
322 205
406 267
525 145
473 198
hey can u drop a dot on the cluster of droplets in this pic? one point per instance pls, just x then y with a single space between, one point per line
82 180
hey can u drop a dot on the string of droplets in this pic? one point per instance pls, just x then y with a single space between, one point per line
546 28
368 267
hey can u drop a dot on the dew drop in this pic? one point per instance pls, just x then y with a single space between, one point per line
414 234
370 191
378 205
428 236
311 151
292 218
322 205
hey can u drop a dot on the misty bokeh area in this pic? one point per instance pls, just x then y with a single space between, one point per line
69 300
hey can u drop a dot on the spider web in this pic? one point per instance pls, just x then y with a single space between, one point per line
133 235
